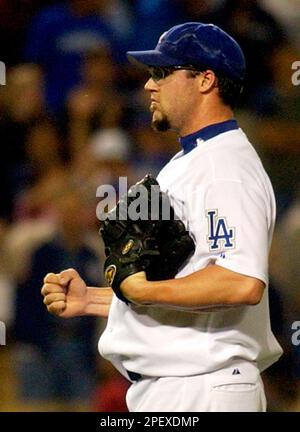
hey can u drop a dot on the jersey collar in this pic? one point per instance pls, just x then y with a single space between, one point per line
189 142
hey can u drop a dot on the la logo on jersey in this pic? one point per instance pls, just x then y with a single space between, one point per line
220 235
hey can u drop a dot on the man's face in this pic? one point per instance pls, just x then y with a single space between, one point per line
173 99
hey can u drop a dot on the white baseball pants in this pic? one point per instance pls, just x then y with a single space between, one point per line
238 388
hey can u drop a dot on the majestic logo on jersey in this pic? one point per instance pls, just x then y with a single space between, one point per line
220 235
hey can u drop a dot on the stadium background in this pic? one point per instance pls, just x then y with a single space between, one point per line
73 116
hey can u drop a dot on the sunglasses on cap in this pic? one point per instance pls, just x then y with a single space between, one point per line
159 72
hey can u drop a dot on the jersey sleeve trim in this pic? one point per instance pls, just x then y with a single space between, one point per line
243 270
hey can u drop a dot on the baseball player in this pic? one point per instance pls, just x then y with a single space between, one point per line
198 340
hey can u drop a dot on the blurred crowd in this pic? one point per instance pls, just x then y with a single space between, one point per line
73 116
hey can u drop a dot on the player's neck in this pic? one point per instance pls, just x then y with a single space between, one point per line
206 117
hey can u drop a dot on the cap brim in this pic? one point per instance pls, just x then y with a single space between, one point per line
152 58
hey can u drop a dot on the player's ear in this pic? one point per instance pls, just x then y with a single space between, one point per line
207 80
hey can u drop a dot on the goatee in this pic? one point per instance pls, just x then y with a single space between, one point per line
162 125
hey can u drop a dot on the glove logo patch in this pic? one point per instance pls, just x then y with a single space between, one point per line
127 247
110 273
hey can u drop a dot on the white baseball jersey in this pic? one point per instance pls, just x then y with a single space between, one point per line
220 190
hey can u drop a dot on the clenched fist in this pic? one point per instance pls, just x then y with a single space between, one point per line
65 293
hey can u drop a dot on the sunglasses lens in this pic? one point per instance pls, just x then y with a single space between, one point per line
158 73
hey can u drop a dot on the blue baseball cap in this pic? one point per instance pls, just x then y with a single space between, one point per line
196 44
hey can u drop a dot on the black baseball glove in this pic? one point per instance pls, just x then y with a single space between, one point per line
151 239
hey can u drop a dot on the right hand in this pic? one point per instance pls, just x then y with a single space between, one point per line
65 293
